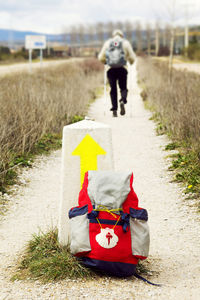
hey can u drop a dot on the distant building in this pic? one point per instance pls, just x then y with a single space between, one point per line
60 51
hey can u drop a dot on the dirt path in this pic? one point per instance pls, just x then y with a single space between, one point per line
191 67
174 253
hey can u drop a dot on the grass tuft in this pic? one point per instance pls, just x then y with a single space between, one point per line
76 118
172 146
46 260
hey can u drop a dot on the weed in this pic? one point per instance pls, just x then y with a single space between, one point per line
23 160
161 128
172 146
9 178
76 119
47 143
143 268
144 95
187 166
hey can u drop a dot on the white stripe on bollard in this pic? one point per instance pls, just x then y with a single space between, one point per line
87 145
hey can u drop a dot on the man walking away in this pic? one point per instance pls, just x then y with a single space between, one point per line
115 53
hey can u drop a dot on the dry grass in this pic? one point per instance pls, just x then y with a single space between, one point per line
178 101
176 106
39 104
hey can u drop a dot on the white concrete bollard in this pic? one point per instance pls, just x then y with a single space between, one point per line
87 145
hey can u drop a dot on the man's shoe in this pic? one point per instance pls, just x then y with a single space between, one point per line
114 113
123 100
122 108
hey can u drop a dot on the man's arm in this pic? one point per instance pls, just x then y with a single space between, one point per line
130 54
102 54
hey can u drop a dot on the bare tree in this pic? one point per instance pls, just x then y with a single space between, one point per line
167 35
100 32
81 33
164 36
171 11
109 28
128 29
65 35
157 38
74 40
138 32
91 33
119 25
148 37
73 36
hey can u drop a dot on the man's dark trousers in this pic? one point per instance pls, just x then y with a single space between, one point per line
117 75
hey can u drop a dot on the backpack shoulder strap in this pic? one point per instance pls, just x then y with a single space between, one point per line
145 280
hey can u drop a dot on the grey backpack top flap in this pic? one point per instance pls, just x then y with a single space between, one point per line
108 188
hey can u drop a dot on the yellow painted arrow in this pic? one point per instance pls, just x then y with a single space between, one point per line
88 150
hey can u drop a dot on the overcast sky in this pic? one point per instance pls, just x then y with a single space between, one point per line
52 16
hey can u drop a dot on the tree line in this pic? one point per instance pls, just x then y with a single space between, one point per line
149 38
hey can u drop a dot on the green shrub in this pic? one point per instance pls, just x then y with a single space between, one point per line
193 51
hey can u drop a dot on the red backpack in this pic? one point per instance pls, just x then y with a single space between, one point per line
108 231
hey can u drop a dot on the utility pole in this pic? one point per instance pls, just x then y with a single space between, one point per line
157 39
172 10
10 36
148 37
186 36
187 6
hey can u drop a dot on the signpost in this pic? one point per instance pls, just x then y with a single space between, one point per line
87 145
35 42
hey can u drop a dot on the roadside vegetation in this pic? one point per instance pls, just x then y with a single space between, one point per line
175 103
46 260
7 56
35 107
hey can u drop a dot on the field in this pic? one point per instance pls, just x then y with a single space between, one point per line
35 107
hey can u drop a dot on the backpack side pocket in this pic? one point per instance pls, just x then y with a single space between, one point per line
140 238
79 230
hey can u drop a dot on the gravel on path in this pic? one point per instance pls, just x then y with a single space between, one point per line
174 225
